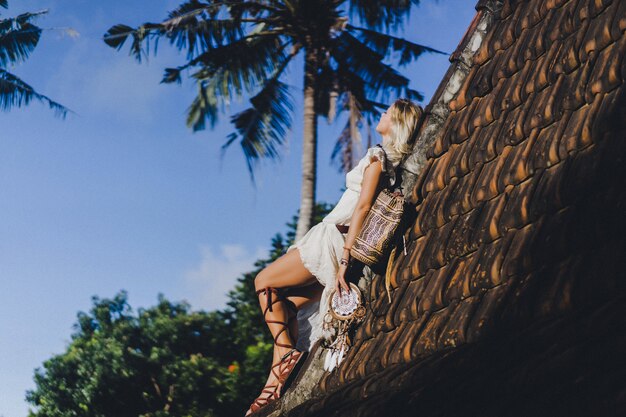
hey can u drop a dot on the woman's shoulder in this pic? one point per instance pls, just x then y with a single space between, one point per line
375 152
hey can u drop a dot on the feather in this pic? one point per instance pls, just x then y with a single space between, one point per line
327 361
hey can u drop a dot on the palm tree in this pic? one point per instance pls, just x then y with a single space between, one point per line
238 48
18 38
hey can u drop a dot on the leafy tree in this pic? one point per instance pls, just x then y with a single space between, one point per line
18 38
243 48
163 361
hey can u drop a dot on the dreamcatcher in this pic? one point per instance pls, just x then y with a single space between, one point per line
344 312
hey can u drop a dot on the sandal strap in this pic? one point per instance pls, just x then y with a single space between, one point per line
268 307
277 371
288 363
282 368
260 401
269 290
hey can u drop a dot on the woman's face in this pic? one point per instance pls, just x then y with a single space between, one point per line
384 124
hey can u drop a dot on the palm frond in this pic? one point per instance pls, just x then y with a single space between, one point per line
348 146
18 38
253 55
228 72
193 8
236 9
192 26
342 151
197 35
117 35
413 95
205 105
16 46
386 45
15 23
355 59
262 127
357 89
382 14
16 93
172 75
4 3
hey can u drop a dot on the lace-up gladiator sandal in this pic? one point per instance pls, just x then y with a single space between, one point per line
273 390
289 367
290 363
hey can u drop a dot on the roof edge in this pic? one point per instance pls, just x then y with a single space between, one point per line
438 109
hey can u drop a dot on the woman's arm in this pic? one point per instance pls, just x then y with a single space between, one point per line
369 187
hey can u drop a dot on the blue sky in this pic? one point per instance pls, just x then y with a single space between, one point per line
124 196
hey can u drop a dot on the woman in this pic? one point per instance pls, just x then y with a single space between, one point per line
293 290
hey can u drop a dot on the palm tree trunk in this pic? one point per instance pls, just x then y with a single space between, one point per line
309 148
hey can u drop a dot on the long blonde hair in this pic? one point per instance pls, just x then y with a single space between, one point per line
406 117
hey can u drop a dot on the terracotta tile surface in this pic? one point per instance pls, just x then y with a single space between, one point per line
518 240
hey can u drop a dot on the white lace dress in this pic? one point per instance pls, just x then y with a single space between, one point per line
321 247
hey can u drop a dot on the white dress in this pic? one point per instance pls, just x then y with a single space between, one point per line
321 247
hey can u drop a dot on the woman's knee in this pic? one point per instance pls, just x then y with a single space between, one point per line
264 279
260 280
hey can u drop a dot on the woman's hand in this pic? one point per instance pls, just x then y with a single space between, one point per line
340 282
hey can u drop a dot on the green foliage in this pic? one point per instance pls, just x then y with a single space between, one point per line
165 360
162 361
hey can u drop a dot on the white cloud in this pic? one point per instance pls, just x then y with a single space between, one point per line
207 283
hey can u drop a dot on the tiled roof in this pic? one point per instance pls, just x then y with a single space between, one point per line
519 231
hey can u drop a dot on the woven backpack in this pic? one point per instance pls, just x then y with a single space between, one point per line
374 240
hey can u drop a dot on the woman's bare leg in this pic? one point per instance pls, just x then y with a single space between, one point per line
300 296
298 286
285 272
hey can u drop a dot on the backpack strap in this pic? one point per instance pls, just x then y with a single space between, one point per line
397 173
